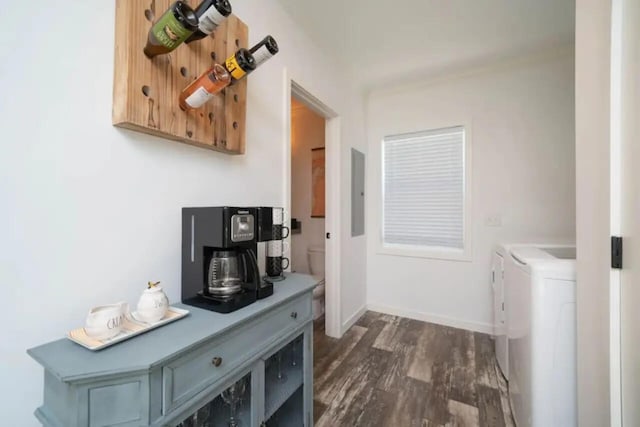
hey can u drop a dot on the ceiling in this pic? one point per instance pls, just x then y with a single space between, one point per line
386 41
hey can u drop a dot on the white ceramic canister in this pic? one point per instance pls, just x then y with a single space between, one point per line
106 321
153 304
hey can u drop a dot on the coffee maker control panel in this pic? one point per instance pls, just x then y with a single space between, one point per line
242 228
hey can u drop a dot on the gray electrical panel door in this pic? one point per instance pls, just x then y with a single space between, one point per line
357 193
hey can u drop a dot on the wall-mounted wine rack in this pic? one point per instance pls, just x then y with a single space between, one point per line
146 91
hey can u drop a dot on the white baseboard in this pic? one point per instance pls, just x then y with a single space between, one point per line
353 319
486 328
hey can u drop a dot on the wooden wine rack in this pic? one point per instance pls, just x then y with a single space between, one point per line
146 91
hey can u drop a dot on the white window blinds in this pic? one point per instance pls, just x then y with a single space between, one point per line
423 199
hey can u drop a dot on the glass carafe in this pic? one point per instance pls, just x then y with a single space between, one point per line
224 273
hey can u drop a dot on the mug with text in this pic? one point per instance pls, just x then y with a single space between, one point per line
105 321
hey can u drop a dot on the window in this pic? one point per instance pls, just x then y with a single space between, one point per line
424 194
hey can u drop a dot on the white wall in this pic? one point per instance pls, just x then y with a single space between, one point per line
521 115
307 133
353 250
90 212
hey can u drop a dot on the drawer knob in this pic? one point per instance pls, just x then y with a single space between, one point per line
294 315
216 361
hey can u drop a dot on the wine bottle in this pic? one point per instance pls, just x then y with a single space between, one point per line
204 87
245 61
210 13
240 64
264 50
173 27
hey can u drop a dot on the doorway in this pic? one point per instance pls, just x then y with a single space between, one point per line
308 202
314 232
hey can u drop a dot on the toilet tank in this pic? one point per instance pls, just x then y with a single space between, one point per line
316 260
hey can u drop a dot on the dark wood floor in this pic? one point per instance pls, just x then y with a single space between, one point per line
391 371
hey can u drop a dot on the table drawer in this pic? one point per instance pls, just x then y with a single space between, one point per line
204 366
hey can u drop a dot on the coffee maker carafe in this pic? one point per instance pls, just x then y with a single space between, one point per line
219 265
224 273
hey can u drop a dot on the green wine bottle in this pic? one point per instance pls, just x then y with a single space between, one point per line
173 27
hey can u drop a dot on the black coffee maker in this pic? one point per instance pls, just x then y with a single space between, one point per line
219 266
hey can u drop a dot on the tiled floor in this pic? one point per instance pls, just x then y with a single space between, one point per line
391 371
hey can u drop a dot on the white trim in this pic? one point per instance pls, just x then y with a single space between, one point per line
448 254
353 319
293 87
485 328
615 194
333 295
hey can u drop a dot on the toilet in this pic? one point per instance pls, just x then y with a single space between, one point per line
315 255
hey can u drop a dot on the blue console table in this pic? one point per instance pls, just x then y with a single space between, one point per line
176 375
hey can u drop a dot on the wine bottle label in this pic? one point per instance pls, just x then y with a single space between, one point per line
169 31
210 20
198 98
234 69
262 55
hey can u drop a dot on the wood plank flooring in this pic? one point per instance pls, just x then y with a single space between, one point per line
395 372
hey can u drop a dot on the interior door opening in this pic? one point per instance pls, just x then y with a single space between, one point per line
308 201
312 186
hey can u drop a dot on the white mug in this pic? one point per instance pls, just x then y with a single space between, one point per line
105 321
279 216
277 247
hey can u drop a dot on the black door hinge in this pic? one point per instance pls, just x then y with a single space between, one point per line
616 252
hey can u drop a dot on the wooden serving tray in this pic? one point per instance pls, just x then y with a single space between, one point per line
130 328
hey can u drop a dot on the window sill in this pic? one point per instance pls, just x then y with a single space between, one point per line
437 253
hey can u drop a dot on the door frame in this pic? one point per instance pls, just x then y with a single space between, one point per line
294 87
615 211
598 210
625 64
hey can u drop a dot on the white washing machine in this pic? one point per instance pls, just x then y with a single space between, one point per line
499 311
540 287
498 285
